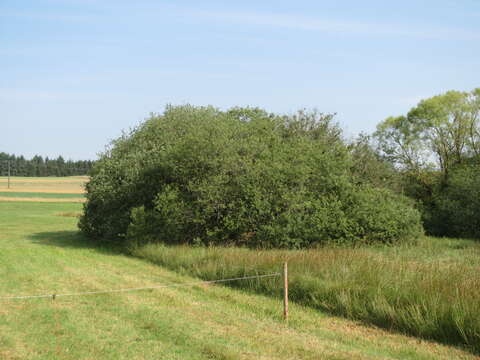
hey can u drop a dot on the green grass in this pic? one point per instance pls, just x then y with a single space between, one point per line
39 195
41 252
430 290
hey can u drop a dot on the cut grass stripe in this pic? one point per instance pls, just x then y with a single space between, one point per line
51 200
38 195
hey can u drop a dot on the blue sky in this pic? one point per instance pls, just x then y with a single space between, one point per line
75 73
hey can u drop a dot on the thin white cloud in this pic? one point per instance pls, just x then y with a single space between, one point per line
48 16
272 20
304 23
28 95
410 100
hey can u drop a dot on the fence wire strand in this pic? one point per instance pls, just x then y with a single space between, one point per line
54 295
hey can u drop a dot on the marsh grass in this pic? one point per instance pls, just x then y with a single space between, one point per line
430 290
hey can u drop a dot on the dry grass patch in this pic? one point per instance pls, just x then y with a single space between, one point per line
67 185
52 179
47 190
69 214
50 200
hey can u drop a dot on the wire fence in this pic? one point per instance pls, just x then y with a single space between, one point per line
54 295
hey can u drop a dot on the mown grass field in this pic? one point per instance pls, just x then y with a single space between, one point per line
41 252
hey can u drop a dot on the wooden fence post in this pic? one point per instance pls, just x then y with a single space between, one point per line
285 291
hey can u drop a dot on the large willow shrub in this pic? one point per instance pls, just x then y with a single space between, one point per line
243 177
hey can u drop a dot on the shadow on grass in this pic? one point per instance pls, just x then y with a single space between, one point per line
73 240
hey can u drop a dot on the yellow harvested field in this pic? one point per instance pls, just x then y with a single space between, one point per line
37 199
53 185
52 190
49 179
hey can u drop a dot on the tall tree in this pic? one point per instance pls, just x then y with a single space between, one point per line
437 146
442 130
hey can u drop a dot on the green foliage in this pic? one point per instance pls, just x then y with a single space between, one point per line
458 202
444 128
400 142
242 176
436 148
368 167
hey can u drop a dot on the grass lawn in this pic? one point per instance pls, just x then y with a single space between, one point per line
42 252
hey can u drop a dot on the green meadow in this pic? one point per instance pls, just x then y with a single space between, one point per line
41 252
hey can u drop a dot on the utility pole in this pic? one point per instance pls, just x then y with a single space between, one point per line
8 174
8 171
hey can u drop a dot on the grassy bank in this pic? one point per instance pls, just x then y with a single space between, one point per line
430 290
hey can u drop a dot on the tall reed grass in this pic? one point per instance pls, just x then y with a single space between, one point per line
430 290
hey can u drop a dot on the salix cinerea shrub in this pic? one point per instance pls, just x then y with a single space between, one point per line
244 177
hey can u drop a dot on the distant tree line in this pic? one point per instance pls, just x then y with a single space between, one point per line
39 166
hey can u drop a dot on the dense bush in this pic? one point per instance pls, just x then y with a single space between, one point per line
243 176
449 204
457 202
436 148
